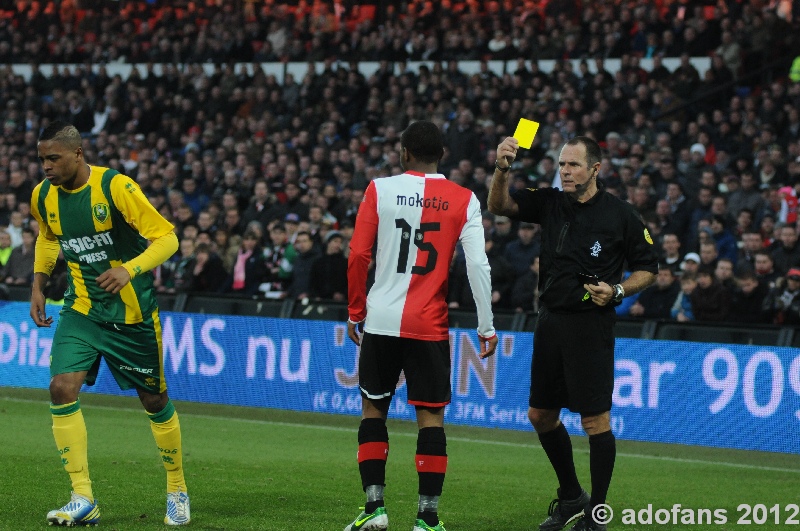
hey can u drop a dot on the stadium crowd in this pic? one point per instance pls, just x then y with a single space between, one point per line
263 179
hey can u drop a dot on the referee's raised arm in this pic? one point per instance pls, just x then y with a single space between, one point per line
500 202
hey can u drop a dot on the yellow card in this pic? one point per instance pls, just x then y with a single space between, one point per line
526 130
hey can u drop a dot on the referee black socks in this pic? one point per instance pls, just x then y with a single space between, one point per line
602 455
558 447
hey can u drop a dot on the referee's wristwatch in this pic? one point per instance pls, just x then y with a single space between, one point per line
619 293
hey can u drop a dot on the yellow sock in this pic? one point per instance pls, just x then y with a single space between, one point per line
167 433
69 431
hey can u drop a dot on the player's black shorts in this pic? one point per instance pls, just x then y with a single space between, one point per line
573 361
426 365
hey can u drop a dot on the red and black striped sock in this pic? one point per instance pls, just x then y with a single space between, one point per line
373 450
431 460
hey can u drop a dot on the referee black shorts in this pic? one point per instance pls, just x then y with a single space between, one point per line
426 365
573 361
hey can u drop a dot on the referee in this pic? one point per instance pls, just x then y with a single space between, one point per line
587 237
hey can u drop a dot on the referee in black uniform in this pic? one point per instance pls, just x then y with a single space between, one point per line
587 236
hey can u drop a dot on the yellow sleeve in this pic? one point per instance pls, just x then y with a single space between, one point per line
137 210
47 247
140 214
157 253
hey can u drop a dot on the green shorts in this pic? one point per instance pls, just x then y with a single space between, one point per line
132 351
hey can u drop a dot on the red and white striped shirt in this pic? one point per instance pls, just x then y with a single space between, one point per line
417 219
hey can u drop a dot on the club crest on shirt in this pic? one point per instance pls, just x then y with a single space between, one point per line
647 237
596 248
100 212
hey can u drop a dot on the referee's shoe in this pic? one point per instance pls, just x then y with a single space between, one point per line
561 512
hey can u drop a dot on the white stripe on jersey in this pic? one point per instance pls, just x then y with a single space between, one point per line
417 219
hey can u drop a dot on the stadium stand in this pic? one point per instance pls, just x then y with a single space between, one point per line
200 101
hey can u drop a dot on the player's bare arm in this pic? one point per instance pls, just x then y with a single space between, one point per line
488 346
38 301
354 331
500 202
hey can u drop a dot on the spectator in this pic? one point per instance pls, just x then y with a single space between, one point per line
682 307
521 252
279 257
679 209
15 228
747 196
690 264
179 270
193 196
502 276
261 207
249 270
461 138
207 272
501 234
656 301
747 301
786 253
294 202
701 205
744 222
307 253
765 268
670 251
708 254
329 271
751 244
232 222
710 301
723 239
525 294
782 303
723 273
19 268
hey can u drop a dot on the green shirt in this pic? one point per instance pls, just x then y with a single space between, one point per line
101 225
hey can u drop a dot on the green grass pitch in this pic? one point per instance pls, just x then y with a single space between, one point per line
270 470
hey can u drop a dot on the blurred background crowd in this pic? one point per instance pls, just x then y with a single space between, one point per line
263 178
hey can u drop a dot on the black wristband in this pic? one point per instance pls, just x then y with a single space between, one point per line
502 169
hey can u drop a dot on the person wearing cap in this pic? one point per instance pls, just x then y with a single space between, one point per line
587 237
783 301
521 251
418 217
292 222
690 263
501 234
